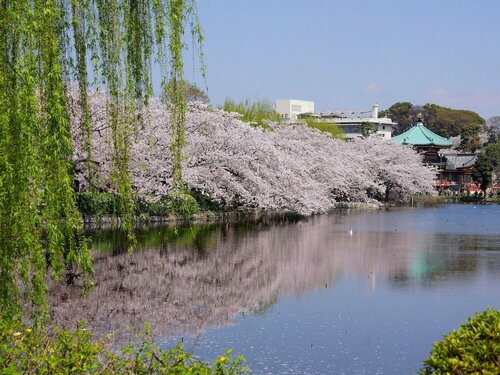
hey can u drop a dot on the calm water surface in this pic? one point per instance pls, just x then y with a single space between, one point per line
346 293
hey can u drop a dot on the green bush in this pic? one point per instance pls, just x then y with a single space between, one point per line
184 204
161 207
36 351
98 204
206 203
474 348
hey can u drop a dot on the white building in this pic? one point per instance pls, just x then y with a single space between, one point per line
289 109
352 122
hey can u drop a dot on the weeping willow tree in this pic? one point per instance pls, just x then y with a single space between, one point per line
328 127
47 46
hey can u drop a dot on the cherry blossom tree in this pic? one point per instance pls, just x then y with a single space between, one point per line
396 170
288 167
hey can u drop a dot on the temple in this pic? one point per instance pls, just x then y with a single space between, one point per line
425 141
454 173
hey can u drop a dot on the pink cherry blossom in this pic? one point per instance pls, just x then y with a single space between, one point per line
291 167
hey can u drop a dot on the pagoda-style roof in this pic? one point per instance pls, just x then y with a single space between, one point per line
419 135
459 160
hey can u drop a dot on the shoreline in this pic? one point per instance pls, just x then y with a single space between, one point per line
114 221
111 221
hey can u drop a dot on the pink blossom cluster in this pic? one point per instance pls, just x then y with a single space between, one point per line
290 167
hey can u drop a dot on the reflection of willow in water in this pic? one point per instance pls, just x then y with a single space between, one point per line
206 276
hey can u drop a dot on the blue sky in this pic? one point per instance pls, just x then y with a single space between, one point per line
348 54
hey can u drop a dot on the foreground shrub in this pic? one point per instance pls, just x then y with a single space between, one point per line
35 351
474 348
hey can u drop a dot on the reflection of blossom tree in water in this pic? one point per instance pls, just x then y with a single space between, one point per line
180 290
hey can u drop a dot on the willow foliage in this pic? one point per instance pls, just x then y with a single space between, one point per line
326 127
46 46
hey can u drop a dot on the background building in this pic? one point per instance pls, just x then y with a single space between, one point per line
289 109
457 173
357 123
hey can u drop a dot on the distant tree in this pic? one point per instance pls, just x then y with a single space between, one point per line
450 122
194 94
492 151
469 137
493 124
482 171
446 122
367 128
402 113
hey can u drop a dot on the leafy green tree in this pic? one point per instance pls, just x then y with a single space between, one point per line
402 113
441 120
450 122
469 134
487 167
492 151
482 171
45 46
367 128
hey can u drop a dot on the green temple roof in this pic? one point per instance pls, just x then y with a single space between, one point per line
419 135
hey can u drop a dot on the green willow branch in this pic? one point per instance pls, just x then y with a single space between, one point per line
45 47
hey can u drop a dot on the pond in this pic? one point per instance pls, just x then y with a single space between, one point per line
352 292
